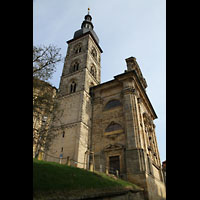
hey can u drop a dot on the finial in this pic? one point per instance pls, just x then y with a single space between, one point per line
88 11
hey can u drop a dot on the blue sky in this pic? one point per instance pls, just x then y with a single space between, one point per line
125 28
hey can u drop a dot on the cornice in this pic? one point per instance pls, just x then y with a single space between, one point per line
128 90
132 74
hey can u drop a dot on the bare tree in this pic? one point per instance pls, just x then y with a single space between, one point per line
45 59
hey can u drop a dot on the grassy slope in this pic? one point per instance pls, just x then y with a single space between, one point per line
49 177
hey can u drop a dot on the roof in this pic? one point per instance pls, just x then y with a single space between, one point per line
84 34
86 28
80 32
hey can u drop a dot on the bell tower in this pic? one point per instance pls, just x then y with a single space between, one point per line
81 70
83 58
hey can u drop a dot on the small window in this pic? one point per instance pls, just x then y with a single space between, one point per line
75 67
87 26
62 149
77 49
113 127
112 104
73 87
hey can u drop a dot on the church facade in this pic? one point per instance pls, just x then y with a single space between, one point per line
106 127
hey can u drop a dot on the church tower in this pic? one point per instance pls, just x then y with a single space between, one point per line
81 71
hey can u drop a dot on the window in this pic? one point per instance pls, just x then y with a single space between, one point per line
87 26
76 65
73 87
113 127
112 104
62 149
77 49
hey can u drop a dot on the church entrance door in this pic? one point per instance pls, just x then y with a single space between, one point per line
114 165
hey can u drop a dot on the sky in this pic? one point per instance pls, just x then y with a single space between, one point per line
125 28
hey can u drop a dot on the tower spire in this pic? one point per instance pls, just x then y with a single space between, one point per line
87 26
87 23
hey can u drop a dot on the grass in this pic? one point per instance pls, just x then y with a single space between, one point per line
50 177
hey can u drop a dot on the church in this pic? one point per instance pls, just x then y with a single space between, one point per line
106 127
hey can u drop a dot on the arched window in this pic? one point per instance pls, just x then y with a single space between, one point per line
112 104
114 127
93 71
73 87
74 66
77 48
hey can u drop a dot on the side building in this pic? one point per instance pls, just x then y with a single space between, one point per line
43 103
